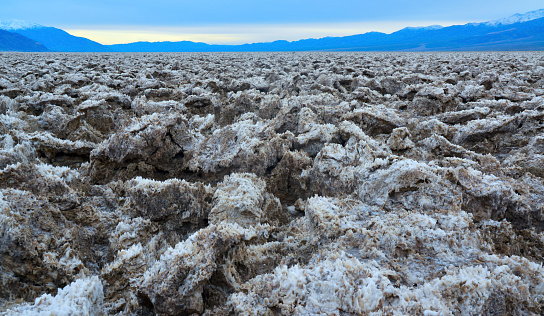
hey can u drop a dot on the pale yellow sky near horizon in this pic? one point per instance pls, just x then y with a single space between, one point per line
240 33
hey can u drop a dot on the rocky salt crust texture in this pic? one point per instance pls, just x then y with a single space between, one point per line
268 184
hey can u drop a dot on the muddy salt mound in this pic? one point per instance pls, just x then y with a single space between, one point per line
271 184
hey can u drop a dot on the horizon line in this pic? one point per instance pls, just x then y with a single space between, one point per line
233 34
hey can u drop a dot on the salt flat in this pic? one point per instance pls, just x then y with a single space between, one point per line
272 183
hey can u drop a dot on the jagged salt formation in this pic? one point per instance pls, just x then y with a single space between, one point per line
266 184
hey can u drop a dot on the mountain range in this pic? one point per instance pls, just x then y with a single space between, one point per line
517 32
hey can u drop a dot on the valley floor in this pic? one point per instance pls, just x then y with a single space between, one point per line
272 183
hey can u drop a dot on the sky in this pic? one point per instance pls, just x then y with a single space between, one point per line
244 21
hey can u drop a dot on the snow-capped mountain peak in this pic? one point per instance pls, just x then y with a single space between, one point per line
425 28
529 16
13 25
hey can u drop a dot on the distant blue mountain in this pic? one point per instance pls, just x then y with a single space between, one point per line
53 38
527 35
12 42
518 32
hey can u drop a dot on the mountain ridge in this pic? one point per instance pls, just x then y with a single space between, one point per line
14 24
516 18
425 38
53 38
516 32
478 36
61 41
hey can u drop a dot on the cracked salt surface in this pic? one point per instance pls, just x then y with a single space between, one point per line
265 184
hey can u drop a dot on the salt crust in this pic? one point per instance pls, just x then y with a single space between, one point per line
82 297
312 183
